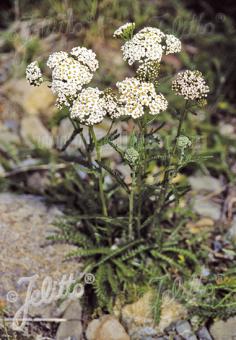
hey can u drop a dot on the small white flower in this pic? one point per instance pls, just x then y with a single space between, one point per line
173 44
56 58
124 30
86 57
89 107
191 85
34 74
137 96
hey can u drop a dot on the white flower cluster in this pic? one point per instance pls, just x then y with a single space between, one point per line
56 58
89 107
148 71
173 44
136 97
149 44
34 74
111 105
68 78
86 57
70 72
190 84
124 30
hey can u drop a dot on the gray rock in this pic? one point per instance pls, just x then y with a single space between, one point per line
206 208
38 182
73 327
224 330
203 334
184 329
227 130
33 131
25 223
147 331
205 183
7 136
144 333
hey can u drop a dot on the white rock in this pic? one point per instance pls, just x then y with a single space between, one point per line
224 330
92 329
106 328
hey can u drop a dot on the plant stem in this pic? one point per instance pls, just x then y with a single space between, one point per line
141 170
86 147
100 180
70 140
166 180
139 182
131 206
166 175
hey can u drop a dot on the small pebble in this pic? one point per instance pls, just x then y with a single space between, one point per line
203 334
183 328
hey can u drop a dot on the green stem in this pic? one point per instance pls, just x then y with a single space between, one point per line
100 180
139 183
166 179
181 121
86 147
131 206
166 175
141 170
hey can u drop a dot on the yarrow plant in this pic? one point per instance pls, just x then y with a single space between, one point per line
121 236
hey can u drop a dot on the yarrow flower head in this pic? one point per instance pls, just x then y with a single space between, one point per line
111 103
86 57
68 77
145 45
56 58
89 107
191 85
70 72
34 74
173 44
148 71
125 31
136 96
150 44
